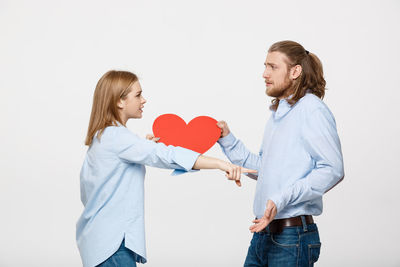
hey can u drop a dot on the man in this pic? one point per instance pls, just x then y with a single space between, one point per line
300 159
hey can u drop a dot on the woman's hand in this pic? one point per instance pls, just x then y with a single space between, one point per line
151 137
234 172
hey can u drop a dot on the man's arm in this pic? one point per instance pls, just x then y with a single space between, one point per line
322 142
335 185
323 145
236 151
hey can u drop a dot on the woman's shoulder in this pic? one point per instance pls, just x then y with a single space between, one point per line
113 139
119 134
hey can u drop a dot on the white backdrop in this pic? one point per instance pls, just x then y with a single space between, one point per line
193 58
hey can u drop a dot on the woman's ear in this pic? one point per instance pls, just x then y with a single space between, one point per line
121 104
295 72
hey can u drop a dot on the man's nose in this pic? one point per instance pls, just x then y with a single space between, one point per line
266 73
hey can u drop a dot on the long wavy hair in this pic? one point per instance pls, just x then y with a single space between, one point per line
312 76
111 88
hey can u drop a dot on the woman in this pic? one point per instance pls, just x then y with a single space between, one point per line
110 231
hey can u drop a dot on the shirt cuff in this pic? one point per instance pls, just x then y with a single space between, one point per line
179 172
227 140
279 203
185 158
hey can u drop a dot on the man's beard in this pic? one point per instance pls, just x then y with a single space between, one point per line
281 90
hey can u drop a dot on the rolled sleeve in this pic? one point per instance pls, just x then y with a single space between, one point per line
184 157
133 149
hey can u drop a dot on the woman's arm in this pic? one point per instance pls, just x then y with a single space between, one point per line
133 149
233 172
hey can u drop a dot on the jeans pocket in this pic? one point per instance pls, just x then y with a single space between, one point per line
285 240
313 253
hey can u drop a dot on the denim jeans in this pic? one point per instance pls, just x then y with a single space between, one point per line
123 257
294 246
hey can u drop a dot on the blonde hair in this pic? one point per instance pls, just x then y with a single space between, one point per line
111 88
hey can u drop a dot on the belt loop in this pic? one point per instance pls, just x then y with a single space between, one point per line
304 223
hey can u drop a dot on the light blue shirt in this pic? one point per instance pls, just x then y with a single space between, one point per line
112 191
299 160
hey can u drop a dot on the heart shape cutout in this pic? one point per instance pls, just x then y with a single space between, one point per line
199 135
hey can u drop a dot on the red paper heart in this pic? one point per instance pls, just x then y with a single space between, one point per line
199 135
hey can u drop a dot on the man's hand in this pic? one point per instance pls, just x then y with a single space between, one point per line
263 222
151 137
224 128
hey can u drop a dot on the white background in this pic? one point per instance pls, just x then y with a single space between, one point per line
193 58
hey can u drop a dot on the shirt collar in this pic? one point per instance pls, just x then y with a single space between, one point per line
283 108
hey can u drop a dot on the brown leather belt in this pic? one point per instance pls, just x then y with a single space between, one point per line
276 226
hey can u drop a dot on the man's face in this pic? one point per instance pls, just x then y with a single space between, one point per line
276 75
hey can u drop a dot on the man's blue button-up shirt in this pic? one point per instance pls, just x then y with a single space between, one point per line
299 160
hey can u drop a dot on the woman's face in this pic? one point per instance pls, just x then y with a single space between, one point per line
132 105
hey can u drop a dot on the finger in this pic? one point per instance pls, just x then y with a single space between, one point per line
259 227
252 227
149 136
244 170
238 173
221 124
230 174
238 183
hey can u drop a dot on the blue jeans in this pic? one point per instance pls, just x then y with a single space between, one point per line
123 257
294 246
